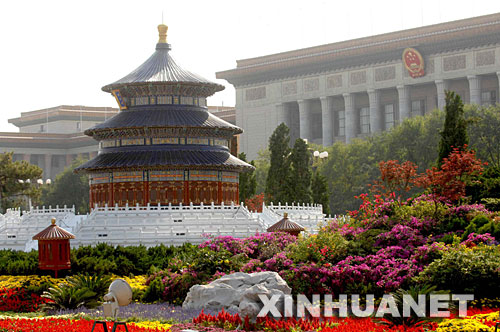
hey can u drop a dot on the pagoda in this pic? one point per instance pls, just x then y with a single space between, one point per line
163 147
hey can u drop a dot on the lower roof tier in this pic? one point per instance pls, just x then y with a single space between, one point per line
166 159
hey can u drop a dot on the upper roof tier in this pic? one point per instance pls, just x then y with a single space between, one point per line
161 69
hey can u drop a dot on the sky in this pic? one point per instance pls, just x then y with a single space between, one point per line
62 52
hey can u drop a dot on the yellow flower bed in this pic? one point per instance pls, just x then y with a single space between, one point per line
32 280
469 324
153 325
491 317
136 282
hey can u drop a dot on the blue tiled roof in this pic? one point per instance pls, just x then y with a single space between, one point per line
161 68
165 116
217 159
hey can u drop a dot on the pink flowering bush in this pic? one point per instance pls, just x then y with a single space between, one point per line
467 211
401 235
258 246
474 239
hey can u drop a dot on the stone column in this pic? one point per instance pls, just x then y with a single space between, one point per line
326 121
474 89
47 171
69 159
404 102
305 119
350 117
280 114
441 86
374 98
498 95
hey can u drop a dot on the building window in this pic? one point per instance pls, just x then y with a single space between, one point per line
488 98
42 128
364 120
417 108
389 116
78 125
341 123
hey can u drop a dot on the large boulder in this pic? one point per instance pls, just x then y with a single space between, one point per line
237 292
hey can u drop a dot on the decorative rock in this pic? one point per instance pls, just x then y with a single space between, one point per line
237 292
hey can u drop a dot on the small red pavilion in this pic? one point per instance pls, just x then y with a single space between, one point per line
287 226
53 248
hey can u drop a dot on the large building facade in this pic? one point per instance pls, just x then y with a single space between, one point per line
350 89
52 138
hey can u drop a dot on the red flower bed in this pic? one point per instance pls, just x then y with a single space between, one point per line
59 325
18 300
225 320
333 324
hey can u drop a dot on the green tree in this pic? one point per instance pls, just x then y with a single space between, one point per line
262 164
454 133
277 181
13 193
413 140
348 170
300 175
69 188
248 182
483 131
320 194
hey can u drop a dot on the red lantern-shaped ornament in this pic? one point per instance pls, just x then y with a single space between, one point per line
53 248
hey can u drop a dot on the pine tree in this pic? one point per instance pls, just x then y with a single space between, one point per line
14 187
279 170
454 133
69 188
300 179
248 182
320 193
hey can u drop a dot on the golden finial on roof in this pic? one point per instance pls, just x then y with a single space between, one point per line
53 220
162 30
285 215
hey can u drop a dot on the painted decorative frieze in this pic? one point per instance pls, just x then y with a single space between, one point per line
195 175
128 176
171 175
100 178
486 58
255 93
108 144
132 141
334 81
385 73
454 62
311 84
289 88
223 142
165 140
229 177
197 141
358 77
